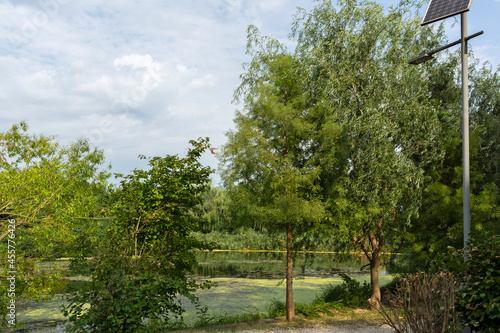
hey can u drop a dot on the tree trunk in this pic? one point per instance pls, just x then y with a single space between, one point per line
376 242
290 309
374 269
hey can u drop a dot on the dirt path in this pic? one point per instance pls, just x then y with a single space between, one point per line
274 326
344 329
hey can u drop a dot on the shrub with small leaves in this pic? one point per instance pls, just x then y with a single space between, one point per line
478 297
349 293
313 310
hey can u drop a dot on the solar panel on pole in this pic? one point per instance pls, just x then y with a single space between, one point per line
441 9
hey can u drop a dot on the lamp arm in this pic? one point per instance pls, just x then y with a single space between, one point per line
455 43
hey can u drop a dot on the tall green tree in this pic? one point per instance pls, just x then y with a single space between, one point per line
432 233
266 159
141 267
355 56
52 204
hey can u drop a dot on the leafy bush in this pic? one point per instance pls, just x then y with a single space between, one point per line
350 293
142 267
478 297
422 304
276 309
391 286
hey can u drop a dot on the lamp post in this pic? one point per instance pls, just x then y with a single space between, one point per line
465 127
425 56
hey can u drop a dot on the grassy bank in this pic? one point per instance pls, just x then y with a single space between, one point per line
319 301
358 317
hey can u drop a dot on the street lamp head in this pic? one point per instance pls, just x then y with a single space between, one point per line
425 56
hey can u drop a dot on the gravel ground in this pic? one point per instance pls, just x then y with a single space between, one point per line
331 329
343 329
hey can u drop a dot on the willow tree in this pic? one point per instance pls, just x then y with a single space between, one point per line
265 162
355 57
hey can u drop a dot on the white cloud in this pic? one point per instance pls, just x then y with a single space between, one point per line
43 75
208 80
143 76
182 69
269 6
137 61
134 78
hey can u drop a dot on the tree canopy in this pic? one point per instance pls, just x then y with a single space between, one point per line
267 169
353 58
346 113
54 196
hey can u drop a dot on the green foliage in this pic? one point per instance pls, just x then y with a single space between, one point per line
440 222
373 143
242 239
478 294
54 193
276 309
485 119
350 293
312 310
55 198
141 269
265 166
204 319
215 213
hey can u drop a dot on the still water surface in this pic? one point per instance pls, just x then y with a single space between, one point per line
272 264
247 281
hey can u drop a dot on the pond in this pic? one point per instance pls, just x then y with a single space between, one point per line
244 264
246 282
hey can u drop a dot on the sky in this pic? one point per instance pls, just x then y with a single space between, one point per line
145 77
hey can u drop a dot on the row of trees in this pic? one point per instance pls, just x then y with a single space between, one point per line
57 202
342 139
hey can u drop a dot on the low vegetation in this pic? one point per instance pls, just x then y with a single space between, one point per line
348 295
240 239
422 304
478 281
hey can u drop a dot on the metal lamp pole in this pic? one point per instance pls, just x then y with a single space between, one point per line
465 134
465 128
425 56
